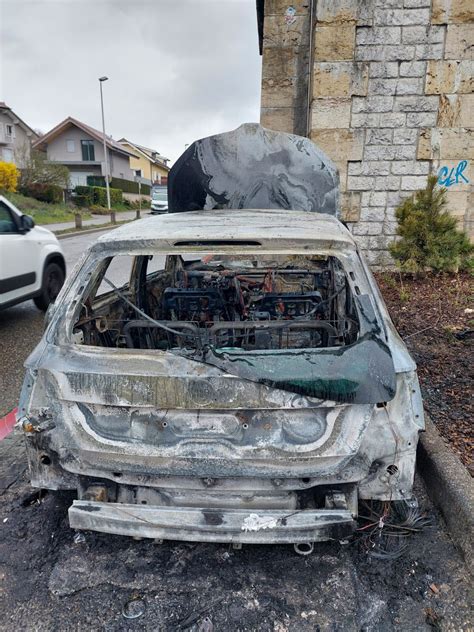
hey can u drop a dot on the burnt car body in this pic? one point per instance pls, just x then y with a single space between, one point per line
243 382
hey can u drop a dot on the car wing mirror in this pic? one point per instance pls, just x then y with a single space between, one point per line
26 223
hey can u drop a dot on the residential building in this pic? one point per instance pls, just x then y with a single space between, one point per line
147 163
81 149
385 89
15 137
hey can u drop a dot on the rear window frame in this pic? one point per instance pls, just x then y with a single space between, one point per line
60 330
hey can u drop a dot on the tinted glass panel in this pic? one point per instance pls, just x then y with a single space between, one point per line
7 224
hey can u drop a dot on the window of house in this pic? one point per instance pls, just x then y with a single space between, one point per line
7 154
70 146
88 152
138 173
9 130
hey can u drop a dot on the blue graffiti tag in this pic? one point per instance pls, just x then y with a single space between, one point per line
447 177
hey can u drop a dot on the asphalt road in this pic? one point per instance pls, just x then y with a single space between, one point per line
51 581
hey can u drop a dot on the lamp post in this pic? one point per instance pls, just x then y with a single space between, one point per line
138 179
106 160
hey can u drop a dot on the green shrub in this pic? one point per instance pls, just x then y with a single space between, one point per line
81 201
428 234
50 193
127 186
84 196
130 187
100 196
96 196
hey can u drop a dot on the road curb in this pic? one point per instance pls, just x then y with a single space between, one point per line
451 489
88 231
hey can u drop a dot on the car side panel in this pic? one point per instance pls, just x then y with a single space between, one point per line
20 266
22 260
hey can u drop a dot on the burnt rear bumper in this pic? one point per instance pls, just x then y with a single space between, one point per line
212 525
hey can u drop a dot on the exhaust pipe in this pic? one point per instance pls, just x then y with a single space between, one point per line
303 548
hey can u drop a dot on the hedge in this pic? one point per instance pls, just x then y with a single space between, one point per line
93 195
51 193
127 186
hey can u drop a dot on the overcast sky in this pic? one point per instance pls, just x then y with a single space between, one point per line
178 69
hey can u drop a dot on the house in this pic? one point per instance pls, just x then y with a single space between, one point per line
81 149
15 137
147 163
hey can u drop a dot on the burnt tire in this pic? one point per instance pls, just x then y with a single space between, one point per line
53 280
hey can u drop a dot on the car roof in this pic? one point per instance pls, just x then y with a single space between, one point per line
272 228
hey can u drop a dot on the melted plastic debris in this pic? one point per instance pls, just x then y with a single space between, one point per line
254 522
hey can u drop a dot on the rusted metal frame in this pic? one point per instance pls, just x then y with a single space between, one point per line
142 324
225 325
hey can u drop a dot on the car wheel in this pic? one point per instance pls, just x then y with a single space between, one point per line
53 279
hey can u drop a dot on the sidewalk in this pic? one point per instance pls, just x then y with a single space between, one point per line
96 220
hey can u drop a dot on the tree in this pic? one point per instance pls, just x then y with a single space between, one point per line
39 170
428 234
8 177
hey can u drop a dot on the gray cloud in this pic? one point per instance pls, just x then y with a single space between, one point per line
178 70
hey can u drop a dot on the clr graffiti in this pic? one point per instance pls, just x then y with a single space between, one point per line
447 177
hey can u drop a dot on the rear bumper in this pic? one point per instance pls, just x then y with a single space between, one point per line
212 525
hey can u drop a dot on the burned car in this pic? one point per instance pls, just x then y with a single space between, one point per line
227 375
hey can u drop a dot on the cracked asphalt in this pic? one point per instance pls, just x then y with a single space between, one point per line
49 581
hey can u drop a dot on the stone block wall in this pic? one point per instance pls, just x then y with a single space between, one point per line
390 96
285 60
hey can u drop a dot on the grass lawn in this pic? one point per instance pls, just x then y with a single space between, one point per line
42 212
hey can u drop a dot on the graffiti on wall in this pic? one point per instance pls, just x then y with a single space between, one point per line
454 175
290 16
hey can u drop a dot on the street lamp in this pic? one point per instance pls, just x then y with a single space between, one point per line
106 160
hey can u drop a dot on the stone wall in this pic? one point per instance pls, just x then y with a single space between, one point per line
391 99
285 63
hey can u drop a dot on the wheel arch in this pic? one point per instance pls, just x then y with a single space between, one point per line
55 257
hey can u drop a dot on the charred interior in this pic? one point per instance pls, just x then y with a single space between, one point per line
247 302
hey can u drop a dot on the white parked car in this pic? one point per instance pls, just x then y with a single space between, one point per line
159 201
32 263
